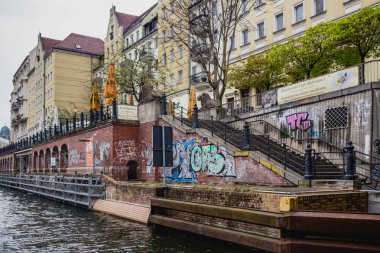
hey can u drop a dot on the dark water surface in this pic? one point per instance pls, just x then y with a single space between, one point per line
32 224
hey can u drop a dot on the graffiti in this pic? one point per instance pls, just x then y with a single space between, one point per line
147 154
269 98
105 151
299 121
317 134
363 113
125 150
75 158
190 157
279 114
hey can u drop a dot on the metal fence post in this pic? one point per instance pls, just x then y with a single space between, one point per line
163 104
91 117
75 121
308 163
81 120
268 149
181 115
285 156
225 133
114 109
101 111
67 126
350 161
246 145
195 117
212 126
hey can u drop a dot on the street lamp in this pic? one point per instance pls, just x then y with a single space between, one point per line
93 152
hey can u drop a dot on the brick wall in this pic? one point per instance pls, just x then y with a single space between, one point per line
136 194
218 164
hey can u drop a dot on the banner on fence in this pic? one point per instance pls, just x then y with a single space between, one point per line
127 112
318 86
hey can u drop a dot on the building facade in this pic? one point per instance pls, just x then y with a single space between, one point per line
19 101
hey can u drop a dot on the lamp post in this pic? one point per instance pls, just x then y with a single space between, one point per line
93 152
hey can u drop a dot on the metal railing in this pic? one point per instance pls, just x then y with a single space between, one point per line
67 126
75 190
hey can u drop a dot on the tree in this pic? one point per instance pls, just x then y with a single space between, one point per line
207 29
309 55
358 34
263 71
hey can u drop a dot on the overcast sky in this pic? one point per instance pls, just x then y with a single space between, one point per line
22 20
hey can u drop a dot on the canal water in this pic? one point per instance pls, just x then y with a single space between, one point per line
29 223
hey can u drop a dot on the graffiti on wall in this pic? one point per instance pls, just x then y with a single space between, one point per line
363 113
191 157
299 121
76 157
125 150
147 154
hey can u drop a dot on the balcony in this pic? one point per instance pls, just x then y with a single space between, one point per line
200 80
200 26
147 55
200 52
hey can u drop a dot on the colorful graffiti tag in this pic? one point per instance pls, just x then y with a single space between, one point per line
191 157
299 121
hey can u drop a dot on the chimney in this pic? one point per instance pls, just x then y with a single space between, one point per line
112 10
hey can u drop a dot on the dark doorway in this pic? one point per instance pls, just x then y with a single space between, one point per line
132 170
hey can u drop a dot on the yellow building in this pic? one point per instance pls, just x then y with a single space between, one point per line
62 78
173 55
271 22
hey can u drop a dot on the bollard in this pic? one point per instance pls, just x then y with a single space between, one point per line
55 130
308 163
67 126
50 133
91 117
195 117
350 161
163 104
246 145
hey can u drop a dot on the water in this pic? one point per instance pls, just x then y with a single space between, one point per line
32 224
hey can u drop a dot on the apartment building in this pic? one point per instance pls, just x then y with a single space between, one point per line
60 78
19 101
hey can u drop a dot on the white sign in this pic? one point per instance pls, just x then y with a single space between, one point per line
53 163
127 112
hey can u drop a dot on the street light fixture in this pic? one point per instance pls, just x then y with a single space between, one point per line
93 152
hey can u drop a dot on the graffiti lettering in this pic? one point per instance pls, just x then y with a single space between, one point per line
125 150
190 158
75 158
299 121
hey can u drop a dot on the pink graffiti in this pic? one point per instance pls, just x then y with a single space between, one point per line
299 121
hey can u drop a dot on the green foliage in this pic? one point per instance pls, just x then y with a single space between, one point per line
261 71
358 34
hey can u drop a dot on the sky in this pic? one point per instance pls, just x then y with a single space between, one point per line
22 20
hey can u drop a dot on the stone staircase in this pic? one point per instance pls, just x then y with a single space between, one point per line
270 148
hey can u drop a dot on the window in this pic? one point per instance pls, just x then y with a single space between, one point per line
298 13
137 35
318 7
132 39
180 50
127 42
180 76
245 37
214 8
193 70
232 10
259 2
279 21
336 117
260 30
232 42
244 6
164 59
111 32
172 80
172 55
171 32
136 54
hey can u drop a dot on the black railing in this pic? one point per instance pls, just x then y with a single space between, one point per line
66 126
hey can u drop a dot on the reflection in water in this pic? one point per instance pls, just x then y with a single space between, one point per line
32 224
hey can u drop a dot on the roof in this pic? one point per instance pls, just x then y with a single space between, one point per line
125 20
141 17
48 44
82 44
